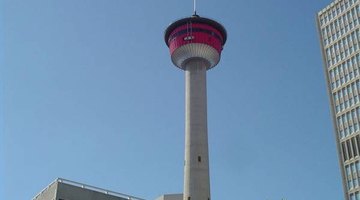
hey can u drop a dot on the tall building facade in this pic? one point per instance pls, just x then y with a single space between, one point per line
339 30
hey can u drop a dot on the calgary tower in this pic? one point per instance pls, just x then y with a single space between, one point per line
195 45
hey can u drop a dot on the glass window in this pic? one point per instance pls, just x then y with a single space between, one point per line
349 149
339 121
356 184
352 196
347 169
353 168
350 184
355 152
344 151
353 115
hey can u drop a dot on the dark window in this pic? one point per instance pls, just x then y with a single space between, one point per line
355 151
199 158
348 149
344 151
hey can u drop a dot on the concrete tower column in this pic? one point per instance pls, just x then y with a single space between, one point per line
195 45
196 169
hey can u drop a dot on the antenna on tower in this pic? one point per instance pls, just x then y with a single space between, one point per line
194 7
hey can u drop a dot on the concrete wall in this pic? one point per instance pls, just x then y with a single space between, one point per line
48 193
170 197
69 192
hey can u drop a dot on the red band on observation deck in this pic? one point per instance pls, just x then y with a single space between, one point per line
195 33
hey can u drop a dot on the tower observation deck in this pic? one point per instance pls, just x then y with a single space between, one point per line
195 37
195 45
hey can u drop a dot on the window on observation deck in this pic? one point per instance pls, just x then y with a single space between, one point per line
194 30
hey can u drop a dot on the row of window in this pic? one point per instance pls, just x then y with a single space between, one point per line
345 72
336 10
347 96
355 196
343 48
350 148
342 45
341 25
352 175
348 123
191 30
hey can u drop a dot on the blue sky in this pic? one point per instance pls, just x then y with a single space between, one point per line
88 93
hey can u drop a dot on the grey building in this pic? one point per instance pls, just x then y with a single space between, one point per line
62 189
171 197
338 27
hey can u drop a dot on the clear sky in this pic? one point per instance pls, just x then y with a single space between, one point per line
88 93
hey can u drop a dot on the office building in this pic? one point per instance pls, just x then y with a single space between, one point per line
338 27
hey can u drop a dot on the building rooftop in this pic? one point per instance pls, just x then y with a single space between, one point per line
63 189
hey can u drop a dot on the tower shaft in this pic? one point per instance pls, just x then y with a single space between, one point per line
196 169
195 45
